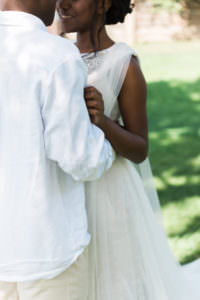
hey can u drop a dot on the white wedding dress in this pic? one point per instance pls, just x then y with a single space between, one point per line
130 258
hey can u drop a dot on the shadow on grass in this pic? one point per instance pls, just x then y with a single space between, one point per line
191 257
192 227
174 128
174 104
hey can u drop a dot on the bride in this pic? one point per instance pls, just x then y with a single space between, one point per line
129 255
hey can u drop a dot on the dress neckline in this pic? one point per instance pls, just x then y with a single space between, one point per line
100 51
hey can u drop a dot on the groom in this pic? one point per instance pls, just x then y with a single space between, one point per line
48 148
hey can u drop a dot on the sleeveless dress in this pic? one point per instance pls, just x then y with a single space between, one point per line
129 254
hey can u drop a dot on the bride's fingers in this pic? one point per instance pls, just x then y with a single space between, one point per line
92 94
93 111
94 104
90 89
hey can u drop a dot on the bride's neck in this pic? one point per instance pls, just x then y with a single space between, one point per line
85 45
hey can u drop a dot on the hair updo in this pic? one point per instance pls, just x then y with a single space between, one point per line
118 11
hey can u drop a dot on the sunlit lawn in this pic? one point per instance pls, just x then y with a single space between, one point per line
173 75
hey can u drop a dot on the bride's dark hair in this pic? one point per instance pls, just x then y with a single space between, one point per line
116 13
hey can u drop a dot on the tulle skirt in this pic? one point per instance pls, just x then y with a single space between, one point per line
129 254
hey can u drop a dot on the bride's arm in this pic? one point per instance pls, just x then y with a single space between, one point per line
130 141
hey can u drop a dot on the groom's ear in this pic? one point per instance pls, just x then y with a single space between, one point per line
105 8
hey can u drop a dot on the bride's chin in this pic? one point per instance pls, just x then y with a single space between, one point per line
67 29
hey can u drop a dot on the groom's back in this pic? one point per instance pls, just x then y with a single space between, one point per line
28 59
31 200
48 147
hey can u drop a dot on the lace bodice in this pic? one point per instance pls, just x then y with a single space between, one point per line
93 61
106 71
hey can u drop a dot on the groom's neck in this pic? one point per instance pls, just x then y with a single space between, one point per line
16 5
43 9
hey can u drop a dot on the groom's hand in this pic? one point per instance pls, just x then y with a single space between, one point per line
95 105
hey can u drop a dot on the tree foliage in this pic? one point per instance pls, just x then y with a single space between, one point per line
176 4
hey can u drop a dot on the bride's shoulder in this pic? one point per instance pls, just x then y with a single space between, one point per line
125 49
121 55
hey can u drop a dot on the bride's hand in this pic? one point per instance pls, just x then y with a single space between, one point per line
95 105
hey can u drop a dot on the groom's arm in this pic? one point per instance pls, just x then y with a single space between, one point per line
71 140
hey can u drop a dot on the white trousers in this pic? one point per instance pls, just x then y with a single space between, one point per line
72 284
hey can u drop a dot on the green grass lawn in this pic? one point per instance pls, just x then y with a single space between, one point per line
172 71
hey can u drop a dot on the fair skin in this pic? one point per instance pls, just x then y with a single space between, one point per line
130 141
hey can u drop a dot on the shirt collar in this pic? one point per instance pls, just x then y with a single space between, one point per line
21 19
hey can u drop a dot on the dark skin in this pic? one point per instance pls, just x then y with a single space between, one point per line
130 141
43 9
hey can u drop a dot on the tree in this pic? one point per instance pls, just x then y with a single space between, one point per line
178 5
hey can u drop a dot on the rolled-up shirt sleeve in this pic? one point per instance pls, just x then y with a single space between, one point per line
71 140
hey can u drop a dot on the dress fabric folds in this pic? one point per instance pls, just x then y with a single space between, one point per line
129 254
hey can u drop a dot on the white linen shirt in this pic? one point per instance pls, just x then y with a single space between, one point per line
48 148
